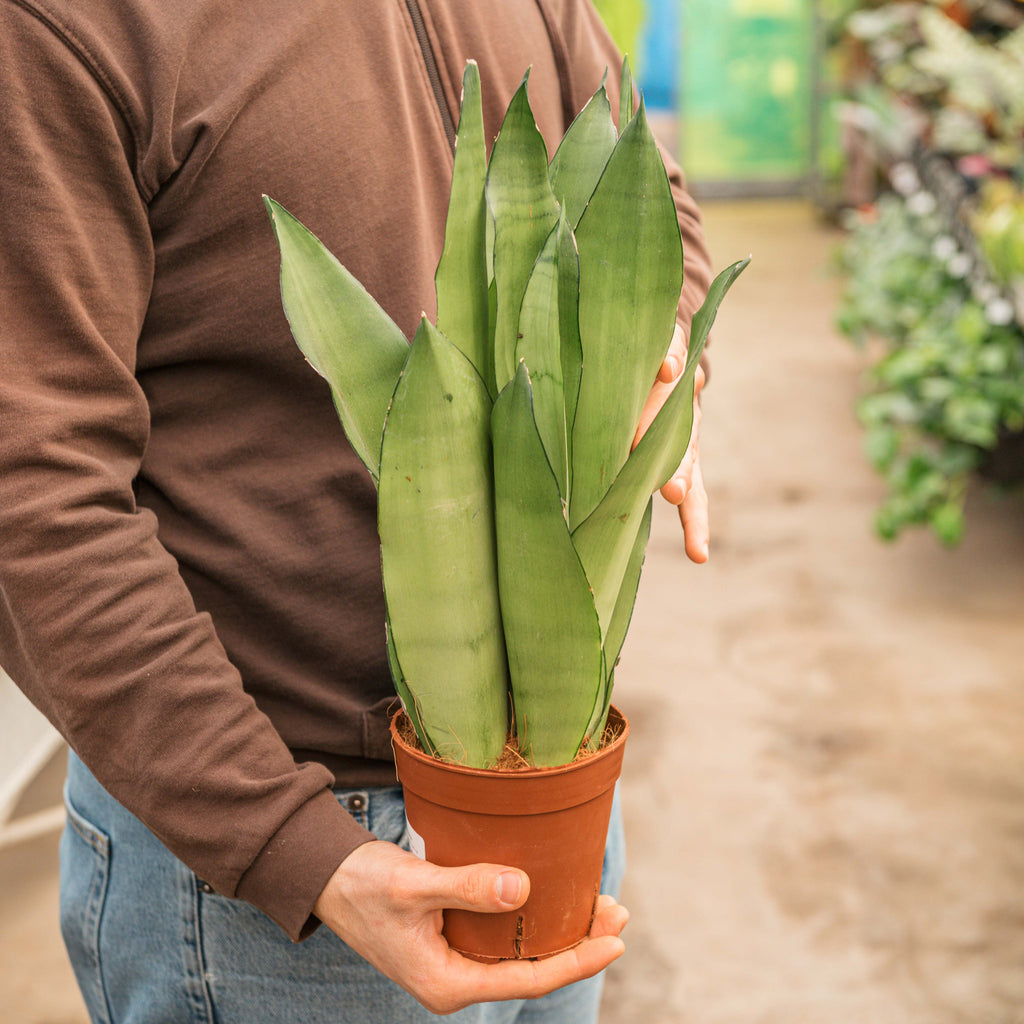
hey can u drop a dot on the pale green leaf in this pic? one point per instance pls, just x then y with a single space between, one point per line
549 345
625 95
551 627
436 526
704 318
605 540
569 333
461 277
631 274
582 154
617 628
524 210
626 599
403 691
342 331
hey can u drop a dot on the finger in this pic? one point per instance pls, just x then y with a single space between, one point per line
659 395
694 516
652 406
699 380
675 358
611 917
466 982
453 981
485 888
674 492
676 489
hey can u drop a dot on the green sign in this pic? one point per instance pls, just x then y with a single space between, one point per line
746 90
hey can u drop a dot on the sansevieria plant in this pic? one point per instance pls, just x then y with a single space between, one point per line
513 515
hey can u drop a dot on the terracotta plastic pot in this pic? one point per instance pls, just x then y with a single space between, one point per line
550 822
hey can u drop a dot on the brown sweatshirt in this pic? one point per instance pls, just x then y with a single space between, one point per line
189 574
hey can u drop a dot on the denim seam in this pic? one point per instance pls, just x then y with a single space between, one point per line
196 987
92 915
89 833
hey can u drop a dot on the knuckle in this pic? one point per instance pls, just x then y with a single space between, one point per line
474 887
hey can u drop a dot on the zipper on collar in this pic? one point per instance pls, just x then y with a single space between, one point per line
433 74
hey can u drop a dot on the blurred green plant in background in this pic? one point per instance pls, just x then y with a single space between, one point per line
949 381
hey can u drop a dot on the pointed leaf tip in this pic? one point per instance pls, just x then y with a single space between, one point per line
341 330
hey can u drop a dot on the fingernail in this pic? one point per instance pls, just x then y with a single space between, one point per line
509 886
673 366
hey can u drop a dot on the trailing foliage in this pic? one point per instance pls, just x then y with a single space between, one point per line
949 382
513 516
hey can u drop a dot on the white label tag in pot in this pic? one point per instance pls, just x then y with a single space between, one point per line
416 844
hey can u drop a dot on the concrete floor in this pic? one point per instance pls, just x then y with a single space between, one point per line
825 781
825 784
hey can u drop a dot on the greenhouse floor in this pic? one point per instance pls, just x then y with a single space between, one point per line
824 786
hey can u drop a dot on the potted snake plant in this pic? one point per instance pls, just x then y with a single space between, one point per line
513 515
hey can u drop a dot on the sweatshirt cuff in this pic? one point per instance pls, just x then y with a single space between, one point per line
290 872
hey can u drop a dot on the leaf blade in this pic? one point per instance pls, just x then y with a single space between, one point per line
582 155
438 554
524 210
461 277
548 343
627 307
625 95
551 625
606 538
342 331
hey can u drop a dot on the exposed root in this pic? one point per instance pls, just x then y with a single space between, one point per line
608 737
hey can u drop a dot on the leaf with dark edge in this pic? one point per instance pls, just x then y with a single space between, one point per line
605 540
438 552
631 274
582 155
551 626
461 277
525 210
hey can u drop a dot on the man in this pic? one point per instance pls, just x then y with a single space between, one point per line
188 558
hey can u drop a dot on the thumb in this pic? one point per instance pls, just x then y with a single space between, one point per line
486 888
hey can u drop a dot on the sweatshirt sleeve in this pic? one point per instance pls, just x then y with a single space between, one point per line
96 624
589 53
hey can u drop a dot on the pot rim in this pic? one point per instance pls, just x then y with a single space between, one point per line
527 791
615 717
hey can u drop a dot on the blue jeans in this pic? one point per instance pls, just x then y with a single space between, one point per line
150 944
